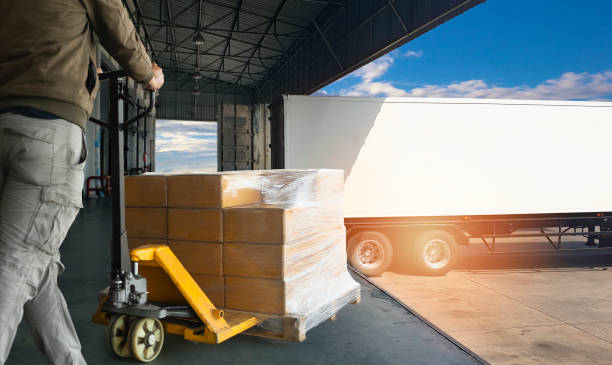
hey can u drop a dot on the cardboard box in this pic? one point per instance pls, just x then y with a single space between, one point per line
145 191
268 223
278 261
201 225
146 222
214 190
162 289
134 242
285 297
255 295
201 258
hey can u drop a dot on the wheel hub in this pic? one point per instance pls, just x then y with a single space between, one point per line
150 339
370 253
436 253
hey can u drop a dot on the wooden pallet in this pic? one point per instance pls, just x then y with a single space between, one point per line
294 327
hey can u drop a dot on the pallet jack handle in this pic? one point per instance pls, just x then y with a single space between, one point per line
116 75
120 258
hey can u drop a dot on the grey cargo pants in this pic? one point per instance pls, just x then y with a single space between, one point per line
41 177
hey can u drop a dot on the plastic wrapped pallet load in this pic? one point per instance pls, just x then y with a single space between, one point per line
281 237
286 256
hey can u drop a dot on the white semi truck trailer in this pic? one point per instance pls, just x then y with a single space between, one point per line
423 175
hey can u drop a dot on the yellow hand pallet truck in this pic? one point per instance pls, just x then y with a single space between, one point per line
136 327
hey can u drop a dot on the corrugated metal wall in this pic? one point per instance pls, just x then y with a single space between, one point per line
179 105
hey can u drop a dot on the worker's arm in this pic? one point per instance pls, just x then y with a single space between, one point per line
111 22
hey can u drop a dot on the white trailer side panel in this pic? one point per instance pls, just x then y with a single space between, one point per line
440 157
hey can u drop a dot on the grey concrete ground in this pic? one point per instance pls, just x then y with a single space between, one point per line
542 308
377 331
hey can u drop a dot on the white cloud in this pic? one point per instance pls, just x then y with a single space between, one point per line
375 69
414 54
369 87
186 146
569 86
374 89
192 137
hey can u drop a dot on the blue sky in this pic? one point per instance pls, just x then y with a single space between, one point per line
538 49
519 49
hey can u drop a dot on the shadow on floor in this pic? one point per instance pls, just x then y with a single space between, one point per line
532 256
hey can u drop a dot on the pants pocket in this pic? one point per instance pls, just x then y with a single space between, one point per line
33 153
83 154
51 222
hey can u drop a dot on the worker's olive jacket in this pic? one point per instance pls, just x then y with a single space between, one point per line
48 53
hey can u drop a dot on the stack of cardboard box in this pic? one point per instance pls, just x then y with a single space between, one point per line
258 241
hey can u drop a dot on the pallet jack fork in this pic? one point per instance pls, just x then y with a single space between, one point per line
136 327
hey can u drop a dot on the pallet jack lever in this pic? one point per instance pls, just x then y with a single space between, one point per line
144 113
116 75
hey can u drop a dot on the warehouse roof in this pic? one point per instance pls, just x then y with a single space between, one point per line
263 48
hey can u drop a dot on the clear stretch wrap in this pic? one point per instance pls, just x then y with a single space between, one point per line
287 254
283 238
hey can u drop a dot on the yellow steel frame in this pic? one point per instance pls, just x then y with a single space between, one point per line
218 326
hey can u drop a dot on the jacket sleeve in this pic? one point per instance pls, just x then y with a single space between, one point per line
110 21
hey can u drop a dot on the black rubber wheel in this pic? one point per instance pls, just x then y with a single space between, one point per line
433 253
370 253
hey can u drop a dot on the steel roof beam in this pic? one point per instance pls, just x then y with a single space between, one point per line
293 35
225 72
234 56
397 16
229 38
329 47
261 39
251 12
172 32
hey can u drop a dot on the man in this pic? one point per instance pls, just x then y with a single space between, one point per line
48 82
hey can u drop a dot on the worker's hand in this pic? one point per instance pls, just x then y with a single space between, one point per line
158 78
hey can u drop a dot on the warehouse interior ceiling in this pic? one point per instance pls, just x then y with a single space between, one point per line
261 49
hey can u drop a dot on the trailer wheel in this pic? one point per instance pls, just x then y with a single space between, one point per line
370 253
434 252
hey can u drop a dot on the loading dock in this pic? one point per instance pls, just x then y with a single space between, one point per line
252 55
527 308
377 331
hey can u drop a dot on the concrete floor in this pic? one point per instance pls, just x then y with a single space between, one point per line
377 331
542 308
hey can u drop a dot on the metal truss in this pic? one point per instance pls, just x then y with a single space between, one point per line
278 46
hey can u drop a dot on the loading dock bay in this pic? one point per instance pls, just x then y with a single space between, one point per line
377 331
523 308
528 308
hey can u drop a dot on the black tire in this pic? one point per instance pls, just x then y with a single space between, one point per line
445 253
370 253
